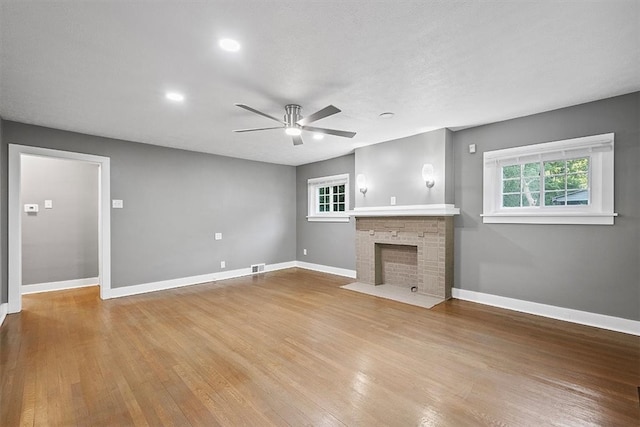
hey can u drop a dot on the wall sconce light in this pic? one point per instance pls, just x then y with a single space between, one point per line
361 182
428 175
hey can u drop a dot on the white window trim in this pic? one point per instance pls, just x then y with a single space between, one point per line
312 184
599 148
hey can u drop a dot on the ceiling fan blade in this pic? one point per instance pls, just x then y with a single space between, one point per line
297 140
342 133
254 129
325 112
253 110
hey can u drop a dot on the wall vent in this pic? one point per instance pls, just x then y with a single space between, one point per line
257 268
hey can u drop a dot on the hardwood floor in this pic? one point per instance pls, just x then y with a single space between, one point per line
292 348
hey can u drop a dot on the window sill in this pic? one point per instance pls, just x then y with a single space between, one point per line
328 218
581 218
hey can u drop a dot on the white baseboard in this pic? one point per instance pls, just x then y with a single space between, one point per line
58 286
192 280
326 269
4 309
567 314
247 271
161 285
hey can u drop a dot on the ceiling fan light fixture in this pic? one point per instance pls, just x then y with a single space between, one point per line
294 123
229 45
387 115
292 131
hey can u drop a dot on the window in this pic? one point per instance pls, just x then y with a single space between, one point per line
560 182
564 182
328 198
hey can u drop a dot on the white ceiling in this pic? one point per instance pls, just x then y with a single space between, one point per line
103 68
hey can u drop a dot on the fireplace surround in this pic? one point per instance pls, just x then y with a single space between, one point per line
432 238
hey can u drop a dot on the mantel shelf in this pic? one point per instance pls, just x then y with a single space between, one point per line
407 210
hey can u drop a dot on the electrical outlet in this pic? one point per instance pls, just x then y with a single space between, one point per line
304 252
223 264
393 200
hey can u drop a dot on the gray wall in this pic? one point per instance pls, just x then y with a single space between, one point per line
394 168
327 243
583 267
174 202
59 243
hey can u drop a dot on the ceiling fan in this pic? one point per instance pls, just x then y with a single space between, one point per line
293 123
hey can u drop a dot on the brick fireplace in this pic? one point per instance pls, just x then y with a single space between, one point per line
406 251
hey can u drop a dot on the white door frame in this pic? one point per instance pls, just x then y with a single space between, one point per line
15 218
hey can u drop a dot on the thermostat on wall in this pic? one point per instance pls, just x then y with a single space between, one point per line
31 207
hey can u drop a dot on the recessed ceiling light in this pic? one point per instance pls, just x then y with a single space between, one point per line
174 96
293 131
318 136
387 115
229 45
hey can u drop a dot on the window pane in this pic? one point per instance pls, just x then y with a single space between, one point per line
335 188
511 171
554 168
531 184
578 165
511 186
321 190
531 169
511 200
577 181
341 198
554 198
579 197
341 207
321 208
335 197
531 199
341 188
552 183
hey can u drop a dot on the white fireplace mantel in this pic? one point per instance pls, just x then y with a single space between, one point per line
407 210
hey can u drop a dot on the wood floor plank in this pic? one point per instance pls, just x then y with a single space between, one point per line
293 348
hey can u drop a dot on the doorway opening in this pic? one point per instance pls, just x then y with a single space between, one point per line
21 210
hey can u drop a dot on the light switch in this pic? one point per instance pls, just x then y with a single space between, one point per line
48 204
31 208
472 148
223 264
218 236
393 200
117 204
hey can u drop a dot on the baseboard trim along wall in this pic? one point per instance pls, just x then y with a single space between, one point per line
192 280
327 269
221 275
567 314
58 286
4 309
